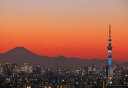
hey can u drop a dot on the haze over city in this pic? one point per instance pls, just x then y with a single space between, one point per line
72 28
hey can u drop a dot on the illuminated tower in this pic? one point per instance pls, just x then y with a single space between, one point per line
110 70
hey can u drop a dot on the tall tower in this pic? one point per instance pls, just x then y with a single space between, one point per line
110 70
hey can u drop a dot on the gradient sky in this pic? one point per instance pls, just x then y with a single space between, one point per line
72 28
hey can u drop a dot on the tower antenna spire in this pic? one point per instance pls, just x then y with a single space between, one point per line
109 30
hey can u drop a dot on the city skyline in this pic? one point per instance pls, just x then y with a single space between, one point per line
70 28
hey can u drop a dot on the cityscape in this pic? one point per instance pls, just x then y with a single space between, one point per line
63 43
29 76
13 75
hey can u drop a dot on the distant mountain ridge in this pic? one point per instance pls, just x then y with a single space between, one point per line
22 55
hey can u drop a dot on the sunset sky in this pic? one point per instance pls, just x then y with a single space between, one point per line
72 28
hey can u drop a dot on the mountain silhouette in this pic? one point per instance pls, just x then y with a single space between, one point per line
22 55
19 51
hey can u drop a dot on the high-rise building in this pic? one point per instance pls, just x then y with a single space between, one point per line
110 70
